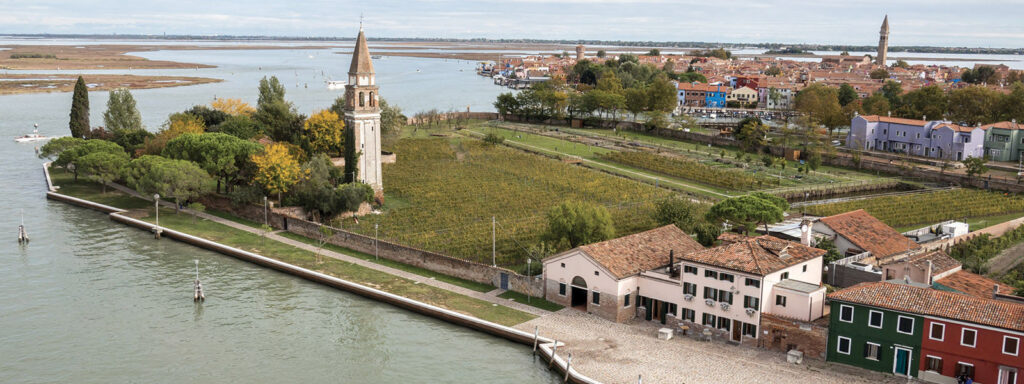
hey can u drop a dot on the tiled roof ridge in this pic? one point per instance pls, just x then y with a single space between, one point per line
757 265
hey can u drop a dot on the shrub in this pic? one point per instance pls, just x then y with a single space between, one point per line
494 139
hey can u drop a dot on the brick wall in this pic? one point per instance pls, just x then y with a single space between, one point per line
785 334
436 262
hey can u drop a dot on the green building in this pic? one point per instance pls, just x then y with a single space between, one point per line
1004 141
863 334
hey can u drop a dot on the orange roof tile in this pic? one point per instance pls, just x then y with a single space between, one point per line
629 255
893 120
1003 125
869 233
941 262
757 255
974 284
932 302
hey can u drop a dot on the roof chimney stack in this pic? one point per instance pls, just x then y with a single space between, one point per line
805 232
924 117
995 291
889 113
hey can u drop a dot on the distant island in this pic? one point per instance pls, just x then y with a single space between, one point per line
622 43
788 51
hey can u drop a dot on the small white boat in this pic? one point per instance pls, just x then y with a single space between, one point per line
336 84
34 136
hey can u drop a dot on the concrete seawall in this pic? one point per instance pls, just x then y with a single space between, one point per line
545 346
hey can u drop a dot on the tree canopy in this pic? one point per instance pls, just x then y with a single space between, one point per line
323 132
276 169
577 223
182 180
748 211
121 115
221 155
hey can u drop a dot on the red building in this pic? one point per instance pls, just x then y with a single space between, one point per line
980 338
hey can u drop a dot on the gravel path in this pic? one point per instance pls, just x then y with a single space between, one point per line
619 353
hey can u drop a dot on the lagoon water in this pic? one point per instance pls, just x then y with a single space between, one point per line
92 301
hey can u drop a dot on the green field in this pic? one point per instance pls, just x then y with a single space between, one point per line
450 188
979 208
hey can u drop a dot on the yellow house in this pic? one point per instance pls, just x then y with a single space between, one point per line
743 95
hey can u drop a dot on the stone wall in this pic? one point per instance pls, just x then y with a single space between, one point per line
785 334
436 262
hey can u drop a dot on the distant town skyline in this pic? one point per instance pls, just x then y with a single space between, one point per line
913 22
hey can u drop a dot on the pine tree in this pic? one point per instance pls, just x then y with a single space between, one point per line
79 110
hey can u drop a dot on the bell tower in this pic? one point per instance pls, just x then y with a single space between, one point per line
362 114
883 42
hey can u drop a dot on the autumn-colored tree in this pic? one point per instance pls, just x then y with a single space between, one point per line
276 169
177 124
233 107
324 132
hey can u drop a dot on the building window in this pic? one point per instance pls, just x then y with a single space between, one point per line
725 297
933 363
561 289
708 319
751 302
596 298
874 319
711 274
749 330
710 293
563 265
690 289
785 275
673 309
967 337
626 301
964 369
780 300
752 283
805 268
1010 345
843 345
905 325
690 269
688 314
938 332
726 276
723 323
846 313
872 351
596 273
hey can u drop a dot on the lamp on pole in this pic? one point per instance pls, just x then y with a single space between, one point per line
265 211
156 209
376 252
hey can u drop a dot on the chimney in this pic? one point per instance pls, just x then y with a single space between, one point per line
924 117
671 263
995 291
928 273
889 113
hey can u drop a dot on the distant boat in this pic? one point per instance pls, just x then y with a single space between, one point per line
34 136
375 57
336 84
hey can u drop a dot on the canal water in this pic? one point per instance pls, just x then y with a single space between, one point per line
93 301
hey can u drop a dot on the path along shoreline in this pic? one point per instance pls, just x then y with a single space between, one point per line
545 347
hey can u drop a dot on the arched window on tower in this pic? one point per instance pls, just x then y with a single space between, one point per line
362 99
373 101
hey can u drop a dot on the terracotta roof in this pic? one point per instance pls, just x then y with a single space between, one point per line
361 56
869 233
757 255
973 284
958 128
1003 125
893 120
932 302
941 262
732 237
629 255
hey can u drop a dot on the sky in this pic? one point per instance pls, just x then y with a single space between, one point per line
990 23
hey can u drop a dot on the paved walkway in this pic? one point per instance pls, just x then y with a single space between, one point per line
491 296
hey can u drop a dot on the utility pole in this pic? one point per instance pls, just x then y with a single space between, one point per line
265 211
494 247
156 208
376 252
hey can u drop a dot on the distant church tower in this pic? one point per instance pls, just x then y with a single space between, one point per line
362 114
883 42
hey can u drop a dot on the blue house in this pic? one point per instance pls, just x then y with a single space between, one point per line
715 96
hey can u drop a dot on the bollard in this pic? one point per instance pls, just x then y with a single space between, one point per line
536 330
568 363
553 349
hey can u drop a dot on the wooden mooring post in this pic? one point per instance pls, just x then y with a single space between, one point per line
553 349
568 364
536 334
198 293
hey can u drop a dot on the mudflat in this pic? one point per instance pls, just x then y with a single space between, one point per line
72 57
33 83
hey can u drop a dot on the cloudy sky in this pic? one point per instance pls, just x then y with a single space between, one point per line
987 23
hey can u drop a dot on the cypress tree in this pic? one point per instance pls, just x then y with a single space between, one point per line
80 110
351 155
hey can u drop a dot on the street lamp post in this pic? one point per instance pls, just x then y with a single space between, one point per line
265 211
156 208
529 274
376 252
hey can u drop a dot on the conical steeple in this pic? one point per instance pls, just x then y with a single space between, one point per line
361 63
885 25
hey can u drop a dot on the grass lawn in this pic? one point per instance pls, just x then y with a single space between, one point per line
532 301
289 254
239 220
468 284
92 191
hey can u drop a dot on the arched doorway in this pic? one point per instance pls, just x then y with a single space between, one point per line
578 297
